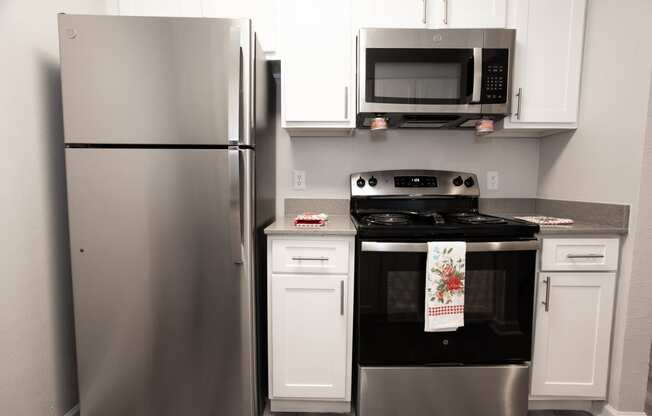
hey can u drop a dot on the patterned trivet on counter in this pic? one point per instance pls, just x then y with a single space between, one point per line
543 220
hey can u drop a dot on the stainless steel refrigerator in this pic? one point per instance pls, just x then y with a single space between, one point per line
169 140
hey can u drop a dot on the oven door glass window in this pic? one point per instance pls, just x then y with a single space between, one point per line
497 319
419 76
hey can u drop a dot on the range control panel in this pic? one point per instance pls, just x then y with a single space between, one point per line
392 183
495 75
415 181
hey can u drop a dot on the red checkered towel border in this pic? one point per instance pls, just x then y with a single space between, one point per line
445 310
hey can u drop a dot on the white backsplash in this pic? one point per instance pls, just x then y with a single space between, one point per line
328 161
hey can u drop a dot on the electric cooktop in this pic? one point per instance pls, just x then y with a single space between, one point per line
426 205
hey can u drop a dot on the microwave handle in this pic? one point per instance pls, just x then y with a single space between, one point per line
477 75
525 245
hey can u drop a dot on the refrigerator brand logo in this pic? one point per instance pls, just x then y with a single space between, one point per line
71 33
437 38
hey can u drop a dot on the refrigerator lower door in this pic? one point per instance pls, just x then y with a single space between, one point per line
164 316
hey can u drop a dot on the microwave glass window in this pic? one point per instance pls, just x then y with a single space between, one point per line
419 76
418 80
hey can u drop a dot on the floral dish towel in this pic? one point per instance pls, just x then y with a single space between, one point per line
445 272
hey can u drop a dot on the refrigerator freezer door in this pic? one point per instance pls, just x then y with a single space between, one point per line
164 316
155 80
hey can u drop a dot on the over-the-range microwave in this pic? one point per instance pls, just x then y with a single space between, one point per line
447 78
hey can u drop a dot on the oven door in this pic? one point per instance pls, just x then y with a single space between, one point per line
401 73
498 313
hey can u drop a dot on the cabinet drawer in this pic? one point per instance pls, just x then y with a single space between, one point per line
588 254
310 256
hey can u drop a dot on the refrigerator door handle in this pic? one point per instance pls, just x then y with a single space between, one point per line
235 219
235 81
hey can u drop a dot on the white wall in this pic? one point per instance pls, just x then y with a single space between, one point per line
601 162
637 320
38 374
328 161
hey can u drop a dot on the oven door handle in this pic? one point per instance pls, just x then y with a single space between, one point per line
527 245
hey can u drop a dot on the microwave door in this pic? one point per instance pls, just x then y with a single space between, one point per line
422 80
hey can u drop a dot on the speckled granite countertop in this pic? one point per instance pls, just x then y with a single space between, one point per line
336 225
582 228
578 228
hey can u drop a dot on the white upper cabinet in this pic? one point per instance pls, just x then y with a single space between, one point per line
547 64
318 82
222 8
467 14
183 8
263 13
432 14
411 14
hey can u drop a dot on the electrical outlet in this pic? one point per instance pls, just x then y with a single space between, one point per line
492 180
299 179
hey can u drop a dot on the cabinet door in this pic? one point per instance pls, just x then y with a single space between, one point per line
390 13
309 336
467 14
317 76
264 14
548 60
572 334
183 8
226 9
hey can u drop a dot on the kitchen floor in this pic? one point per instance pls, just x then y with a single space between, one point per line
530 413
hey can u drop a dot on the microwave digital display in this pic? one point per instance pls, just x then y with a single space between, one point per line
415 181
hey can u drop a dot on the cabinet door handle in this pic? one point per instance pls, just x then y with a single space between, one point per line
342 297
446 12
346 102
585 256
519 94
546 303
425 12
310 258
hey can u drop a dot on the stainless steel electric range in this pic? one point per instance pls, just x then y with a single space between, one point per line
482 368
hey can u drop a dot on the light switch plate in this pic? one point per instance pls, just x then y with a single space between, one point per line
492 180
299 179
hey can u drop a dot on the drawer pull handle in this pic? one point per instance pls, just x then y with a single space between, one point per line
310 258
342 297
585 256
546 303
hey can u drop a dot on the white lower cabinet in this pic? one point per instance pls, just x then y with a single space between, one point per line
574 312
309 342
310 326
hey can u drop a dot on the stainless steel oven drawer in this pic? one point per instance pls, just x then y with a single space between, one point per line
443 391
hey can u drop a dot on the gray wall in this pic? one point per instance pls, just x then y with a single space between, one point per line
328 161
637 332
38 374
601 162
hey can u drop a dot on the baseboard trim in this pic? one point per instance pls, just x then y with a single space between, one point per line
285 405
609 410
73 412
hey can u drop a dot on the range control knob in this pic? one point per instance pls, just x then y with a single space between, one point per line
469 182
373 181
458 181
360 182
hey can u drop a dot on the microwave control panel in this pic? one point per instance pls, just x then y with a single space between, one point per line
495 71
